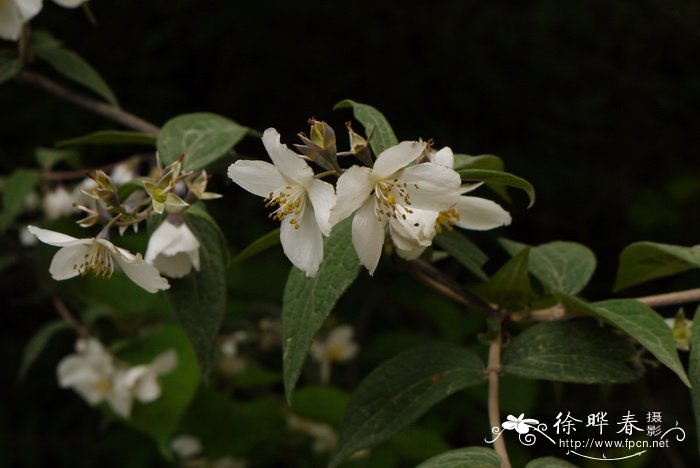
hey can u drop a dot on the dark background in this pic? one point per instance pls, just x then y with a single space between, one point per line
592 101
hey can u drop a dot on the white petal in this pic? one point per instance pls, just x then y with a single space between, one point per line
165 363
186 446
66 262
70 3
142 273
258 177
74 369
55 238
147 389
444 157
466 188
353 188
368 236
27 8
417 230
10 21
322 197
397 157
303 246
480 214
432 186
161 239
120 399
508 425
289 163
410 254
173 266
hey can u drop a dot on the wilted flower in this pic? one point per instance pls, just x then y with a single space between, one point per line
197 186
406 196
97 255
303 202
338 346
173 249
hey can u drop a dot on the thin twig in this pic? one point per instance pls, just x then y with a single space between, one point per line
82 173
66 315
558 312
494 370
93 105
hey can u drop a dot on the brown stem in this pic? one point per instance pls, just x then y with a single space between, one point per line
98 107
494 369
66 315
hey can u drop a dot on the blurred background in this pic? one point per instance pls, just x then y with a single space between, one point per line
594 102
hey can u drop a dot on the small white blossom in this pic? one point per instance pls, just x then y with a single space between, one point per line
14 13
325 438
406 196
186 446
681 329
26 238
338 346
58 203
97 255
303 202
173 249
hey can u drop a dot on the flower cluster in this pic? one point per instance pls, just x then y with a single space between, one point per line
120 201
96 375
410 191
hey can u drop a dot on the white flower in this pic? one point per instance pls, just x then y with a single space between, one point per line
521 425
14 13
26 238
58 203
408 196
681 329
338 346
173 249
324 436
93 373
80 256
303 202
474 213
186 446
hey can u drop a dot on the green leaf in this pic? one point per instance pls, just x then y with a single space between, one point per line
498 178
644 261
639 321
474 457
198 300
694 368
17 186
49 157
324 404
483 161
70 65
259 245
561 266
401 390
308 301
201 137
510 287
464 251
549 462
570 351
160 418
37 343
376 125
10 65
110 137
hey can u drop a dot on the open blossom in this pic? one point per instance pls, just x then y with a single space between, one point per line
173 249
406 196
520 424
303 202
58 202
474 213
14 13
338 346
94 374
97 255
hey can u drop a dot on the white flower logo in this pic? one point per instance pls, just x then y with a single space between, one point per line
521 425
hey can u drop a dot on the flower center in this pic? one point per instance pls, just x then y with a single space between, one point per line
446 219
290 202
103 386
392 200
98 260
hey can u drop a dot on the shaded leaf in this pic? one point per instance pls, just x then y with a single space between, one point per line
259 245
308 301
10 65
49 157
510 287
561 266
201 137
16 186
570 351
37 343
464 251
401 390
324 404
694 368
70 65
198 300
549 462
376 125
110 137
476 457
482 161
644 261
639 321
498 178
